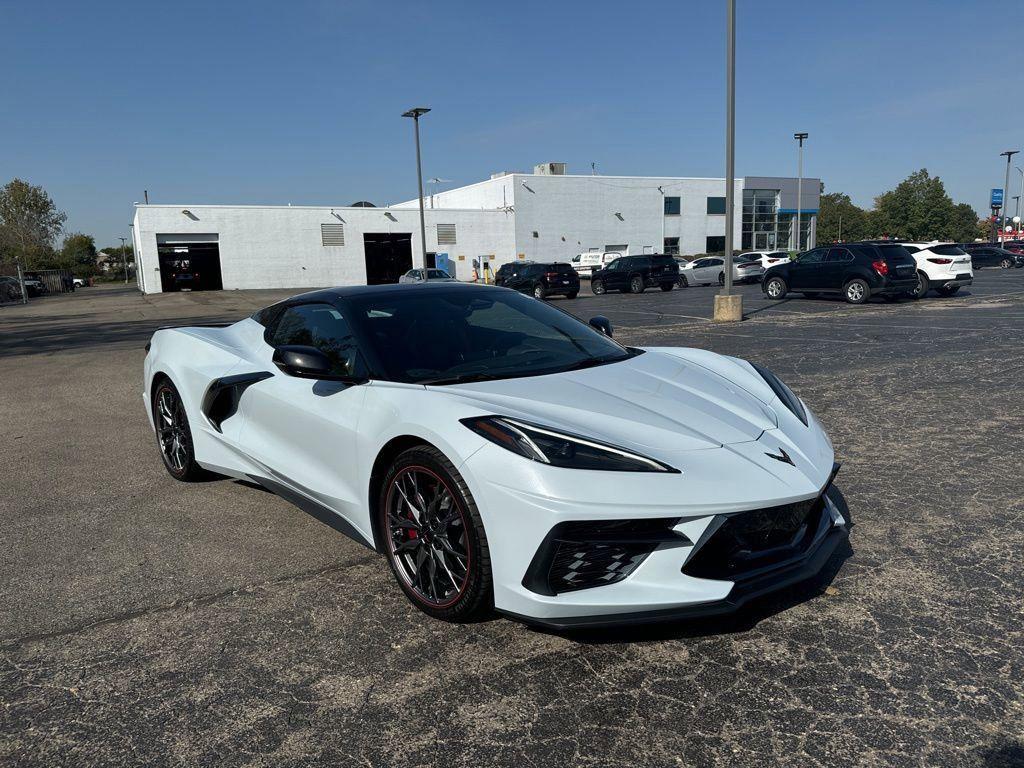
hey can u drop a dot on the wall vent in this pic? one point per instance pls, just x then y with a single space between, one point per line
332 234
446 234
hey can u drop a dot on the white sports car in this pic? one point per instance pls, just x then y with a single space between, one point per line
503 454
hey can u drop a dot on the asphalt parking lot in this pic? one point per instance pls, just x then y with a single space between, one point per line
147 622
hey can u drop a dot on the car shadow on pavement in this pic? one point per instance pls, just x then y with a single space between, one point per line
743 620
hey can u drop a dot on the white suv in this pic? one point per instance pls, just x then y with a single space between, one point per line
943 267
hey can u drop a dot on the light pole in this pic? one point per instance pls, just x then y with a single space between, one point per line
728 307
1006 187
415 113
799 183
124 258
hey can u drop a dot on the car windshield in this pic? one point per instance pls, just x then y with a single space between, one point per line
473 334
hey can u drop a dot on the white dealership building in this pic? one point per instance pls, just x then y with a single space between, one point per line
545 215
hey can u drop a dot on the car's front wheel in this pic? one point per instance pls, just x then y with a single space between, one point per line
683 282
173 434
434 537
597 287
775 288
539 292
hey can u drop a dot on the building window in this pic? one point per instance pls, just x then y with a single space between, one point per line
446 234
332 234
671 246
764 229
715 245
716 205
672 206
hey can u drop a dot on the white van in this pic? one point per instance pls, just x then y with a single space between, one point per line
585 263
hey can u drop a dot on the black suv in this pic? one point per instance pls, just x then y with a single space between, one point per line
856 271
540 279
507 269
635 273
990 255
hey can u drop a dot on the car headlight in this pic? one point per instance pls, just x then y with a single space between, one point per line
560 449
784 393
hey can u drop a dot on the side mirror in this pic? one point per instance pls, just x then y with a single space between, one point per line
308 363
602 324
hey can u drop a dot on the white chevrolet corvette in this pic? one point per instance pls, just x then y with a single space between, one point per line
502 454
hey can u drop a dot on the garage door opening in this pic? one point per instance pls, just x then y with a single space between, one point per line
189 262
388 256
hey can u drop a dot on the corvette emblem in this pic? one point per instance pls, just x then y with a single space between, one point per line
780 456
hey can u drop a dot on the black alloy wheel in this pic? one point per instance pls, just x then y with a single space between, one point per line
434 537
173 434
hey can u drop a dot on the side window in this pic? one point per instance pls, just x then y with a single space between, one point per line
715 262
321 326
615 264
813 257
838 255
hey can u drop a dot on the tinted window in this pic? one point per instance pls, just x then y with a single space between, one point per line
474 333
894 252
714 262
640 262
563 268
838 254
716 205
615 264
912 248
947 250
812 257
661 261
671 206
268 316
321 326
437 273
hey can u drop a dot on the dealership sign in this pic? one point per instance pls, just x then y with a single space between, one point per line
997 198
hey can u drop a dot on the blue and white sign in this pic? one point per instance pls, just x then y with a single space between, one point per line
997 198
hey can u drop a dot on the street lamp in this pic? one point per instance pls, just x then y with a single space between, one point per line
1006 187
728 307
799 183
415 113
124 258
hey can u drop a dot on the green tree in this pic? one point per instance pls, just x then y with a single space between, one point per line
115 257
29 223
79 254
964 224
918 209
839 218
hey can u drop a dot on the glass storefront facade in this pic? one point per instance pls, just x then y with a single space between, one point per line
767 229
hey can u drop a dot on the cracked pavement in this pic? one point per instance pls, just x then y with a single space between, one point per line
144 621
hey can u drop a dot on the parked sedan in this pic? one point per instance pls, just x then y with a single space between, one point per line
432 276
856 271
712 270
502 455
985 255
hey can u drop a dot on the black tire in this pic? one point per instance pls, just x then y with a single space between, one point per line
597 287
539 292
174 435
572 294
636 284
721 278
1006 264
856 291
923 286
775 288
947 290
683 282
451 580
667 287
811 294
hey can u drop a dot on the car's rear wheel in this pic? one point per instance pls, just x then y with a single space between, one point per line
923 285
667 286
1006 264
856 291
683 282
597 287
434 538
776 288
539 292
947 290
173 434
636 285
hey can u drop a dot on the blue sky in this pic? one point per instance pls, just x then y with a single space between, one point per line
299 102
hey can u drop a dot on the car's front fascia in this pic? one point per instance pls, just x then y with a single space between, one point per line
522 503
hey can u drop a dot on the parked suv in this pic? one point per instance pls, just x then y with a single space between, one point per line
942 266
856 271
636 273
543 279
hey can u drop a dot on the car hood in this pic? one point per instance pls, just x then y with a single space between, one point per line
660 399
